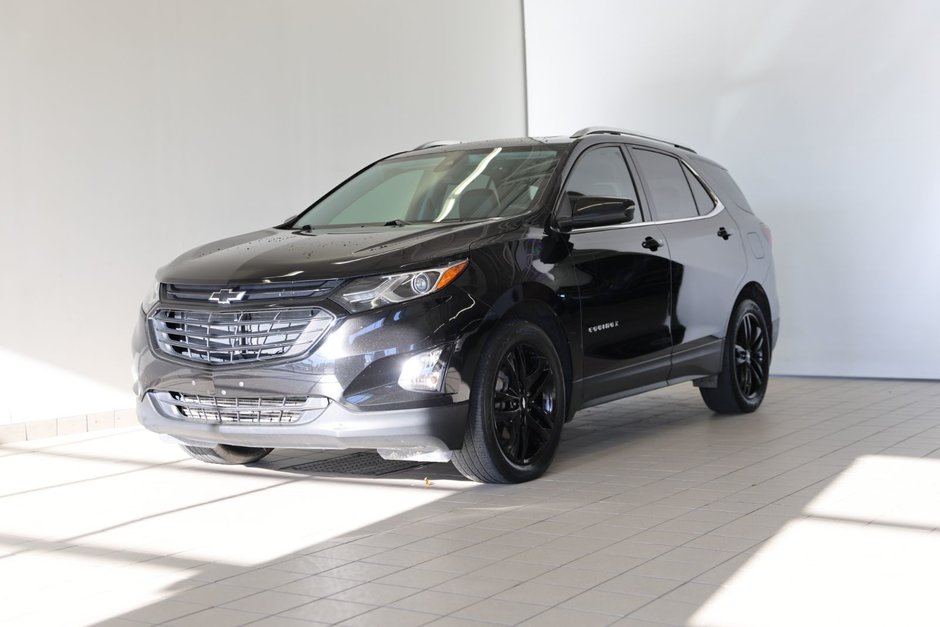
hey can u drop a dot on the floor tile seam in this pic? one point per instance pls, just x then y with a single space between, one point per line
86 436
744 448
311 597
687 581
612 577
139 468
376 580
883 448
203 503
767 505
124 564
915 435
784 453
108 593
433 556
469 524
431 615
696 486
923 529
416 592
481 621
203 609
760 507
371 606
640 531
580 611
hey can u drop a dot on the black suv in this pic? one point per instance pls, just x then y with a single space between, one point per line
461 301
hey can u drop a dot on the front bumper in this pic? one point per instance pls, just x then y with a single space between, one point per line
353 370
413 432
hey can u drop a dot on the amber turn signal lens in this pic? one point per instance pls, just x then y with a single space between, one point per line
450 274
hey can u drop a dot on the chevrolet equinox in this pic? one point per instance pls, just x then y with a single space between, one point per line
462 301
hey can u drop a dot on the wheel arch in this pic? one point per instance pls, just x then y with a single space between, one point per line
539 305
755 292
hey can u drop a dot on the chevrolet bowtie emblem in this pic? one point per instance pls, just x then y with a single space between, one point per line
224 297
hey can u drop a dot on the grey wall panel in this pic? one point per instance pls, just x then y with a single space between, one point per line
826 114
131 131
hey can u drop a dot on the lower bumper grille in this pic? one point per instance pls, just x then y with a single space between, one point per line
239 409
237 337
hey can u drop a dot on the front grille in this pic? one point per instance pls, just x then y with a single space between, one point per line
249 292
238 337
239 409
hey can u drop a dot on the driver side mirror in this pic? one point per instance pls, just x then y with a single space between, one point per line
598 211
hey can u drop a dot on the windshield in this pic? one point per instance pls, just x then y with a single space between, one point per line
457 185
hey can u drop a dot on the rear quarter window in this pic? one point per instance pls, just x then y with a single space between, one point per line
703 200
721 182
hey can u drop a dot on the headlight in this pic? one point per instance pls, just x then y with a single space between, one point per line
151 297
371 292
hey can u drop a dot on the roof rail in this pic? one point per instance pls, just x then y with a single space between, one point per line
606 130
436 143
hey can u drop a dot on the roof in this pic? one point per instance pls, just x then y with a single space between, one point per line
599 132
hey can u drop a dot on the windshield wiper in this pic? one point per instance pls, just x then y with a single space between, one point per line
396 222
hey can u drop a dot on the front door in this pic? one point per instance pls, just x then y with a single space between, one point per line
624 285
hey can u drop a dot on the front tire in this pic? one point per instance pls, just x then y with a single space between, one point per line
745 361
517 407
226 453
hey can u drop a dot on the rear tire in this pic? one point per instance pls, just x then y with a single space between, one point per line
226 453
517 407
745 363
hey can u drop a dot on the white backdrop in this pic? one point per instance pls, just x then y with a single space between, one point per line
828 115
131 131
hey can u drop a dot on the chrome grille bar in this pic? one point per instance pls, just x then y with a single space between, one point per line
238 409
254 292
232 337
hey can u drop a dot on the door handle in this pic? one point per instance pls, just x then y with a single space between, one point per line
652 244
723 234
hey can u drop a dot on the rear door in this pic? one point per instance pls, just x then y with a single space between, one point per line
708 259
623 278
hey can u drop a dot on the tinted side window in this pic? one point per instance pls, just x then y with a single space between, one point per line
602 172
668 189
703 199
722 184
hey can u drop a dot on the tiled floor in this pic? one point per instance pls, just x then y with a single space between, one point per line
821 509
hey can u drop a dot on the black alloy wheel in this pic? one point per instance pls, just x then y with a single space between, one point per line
524 402
517 407
750 358
742 383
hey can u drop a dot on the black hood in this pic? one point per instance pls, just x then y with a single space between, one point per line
322 253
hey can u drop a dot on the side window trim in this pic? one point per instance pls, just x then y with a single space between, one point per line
685 175
640 185
719 206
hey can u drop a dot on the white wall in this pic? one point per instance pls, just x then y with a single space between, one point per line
828 115
131 131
